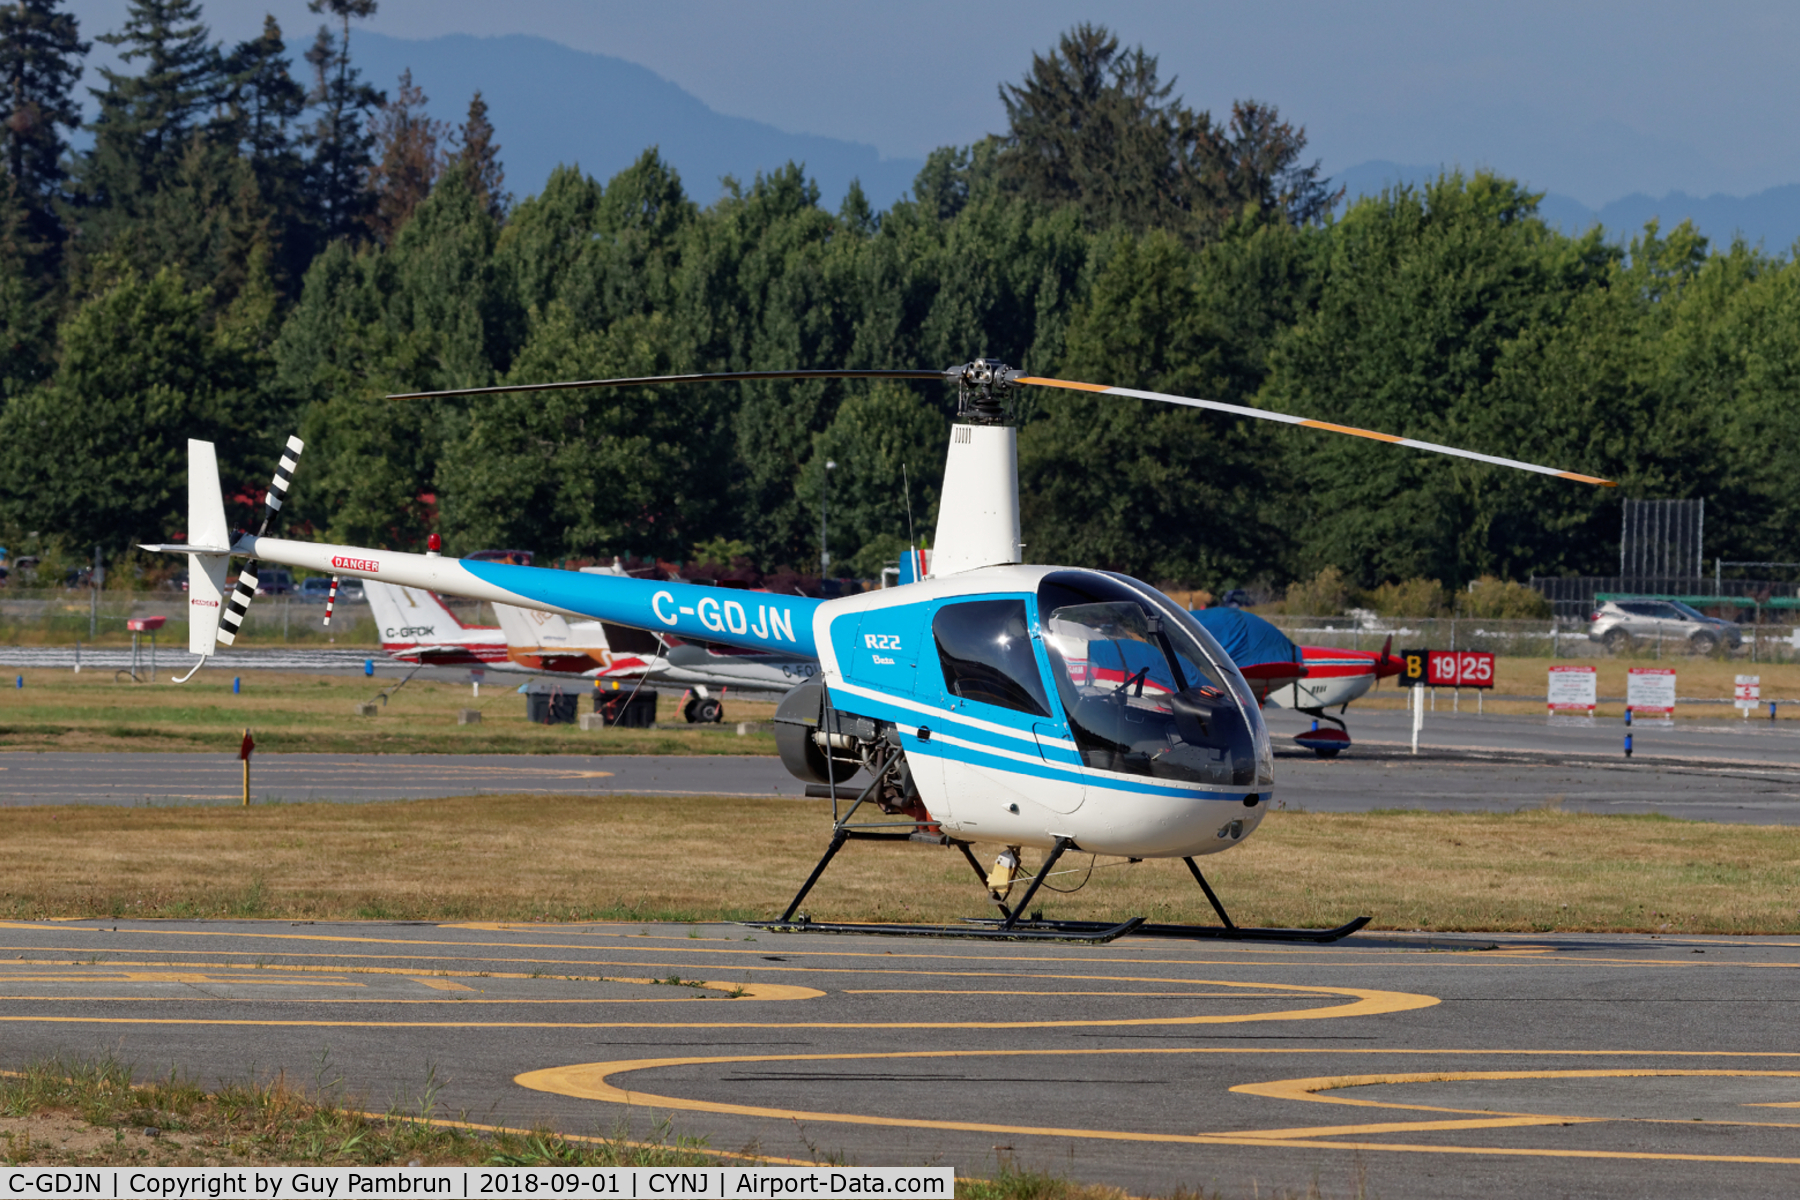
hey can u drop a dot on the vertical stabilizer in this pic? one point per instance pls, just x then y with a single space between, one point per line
528 629
411 614
978 517
209 541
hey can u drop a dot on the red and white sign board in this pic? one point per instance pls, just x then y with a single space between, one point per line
1748 692
1574 690
1459 668
1650 691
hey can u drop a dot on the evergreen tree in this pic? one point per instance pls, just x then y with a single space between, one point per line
26 338
408 159
479 159
341 140
40 62
1424 296
99 454
263 102
145 121
1096 127
1260 160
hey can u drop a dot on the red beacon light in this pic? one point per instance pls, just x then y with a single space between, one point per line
434 545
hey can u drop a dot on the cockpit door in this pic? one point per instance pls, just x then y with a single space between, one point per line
991 682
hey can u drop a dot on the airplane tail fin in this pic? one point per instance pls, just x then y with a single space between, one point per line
412 609
528 629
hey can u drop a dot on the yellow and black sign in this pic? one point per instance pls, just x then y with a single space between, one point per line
1412 669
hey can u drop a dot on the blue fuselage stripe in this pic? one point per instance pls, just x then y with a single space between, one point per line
747 620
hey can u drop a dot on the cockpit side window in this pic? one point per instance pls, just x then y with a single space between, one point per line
1132 681
985 649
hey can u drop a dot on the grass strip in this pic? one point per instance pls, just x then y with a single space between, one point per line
632 858
296 712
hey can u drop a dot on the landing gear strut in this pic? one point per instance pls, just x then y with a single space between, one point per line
1326 743
1012 924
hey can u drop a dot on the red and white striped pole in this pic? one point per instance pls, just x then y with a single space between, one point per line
331 599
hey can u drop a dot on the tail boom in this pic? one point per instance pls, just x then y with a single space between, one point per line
751 621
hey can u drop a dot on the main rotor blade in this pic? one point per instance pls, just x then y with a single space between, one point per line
1263 414
716 377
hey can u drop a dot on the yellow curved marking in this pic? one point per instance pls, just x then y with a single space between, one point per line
1310 1089
1058 994
110 972
1366 1003
590 1081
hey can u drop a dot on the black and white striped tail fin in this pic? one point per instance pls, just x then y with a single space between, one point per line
331 600
284 478
237 606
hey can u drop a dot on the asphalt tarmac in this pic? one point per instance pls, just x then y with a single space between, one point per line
1725 771
1390 1065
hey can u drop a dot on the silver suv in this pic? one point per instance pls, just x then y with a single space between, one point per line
1619 624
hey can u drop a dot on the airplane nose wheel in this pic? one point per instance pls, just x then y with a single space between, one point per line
706 711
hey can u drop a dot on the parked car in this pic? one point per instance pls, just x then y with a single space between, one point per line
1618 624
314 589
274 581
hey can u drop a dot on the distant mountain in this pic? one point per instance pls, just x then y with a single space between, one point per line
1770 217
551 104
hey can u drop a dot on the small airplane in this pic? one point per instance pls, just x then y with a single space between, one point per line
1306 679
545 640
418 628
980 704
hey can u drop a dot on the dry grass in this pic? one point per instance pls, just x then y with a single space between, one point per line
92 1113
293 712
541 857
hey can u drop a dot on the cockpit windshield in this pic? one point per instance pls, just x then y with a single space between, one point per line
1143 693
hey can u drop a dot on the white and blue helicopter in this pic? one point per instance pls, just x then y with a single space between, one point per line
1057 708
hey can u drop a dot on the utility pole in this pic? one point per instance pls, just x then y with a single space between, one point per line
824 493
97 578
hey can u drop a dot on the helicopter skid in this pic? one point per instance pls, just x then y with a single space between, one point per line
1089 933
1234 933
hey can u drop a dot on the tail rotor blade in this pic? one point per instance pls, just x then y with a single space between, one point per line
239 604
284 478
1263 414
232 619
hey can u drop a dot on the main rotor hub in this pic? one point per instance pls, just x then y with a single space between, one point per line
982 389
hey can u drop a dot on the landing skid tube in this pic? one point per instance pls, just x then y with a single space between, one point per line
1013 926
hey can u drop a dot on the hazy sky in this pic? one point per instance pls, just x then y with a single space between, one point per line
1593 100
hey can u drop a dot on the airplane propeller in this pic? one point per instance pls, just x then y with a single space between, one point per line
982 381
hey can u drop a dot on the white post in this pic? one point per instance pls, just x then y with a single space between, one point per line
1418 723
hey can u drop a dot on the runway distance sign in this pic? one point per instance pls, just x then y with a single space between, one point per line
1446 668
1460 668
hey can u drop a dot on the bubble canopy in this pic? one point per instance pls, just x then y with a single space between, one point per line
1146 690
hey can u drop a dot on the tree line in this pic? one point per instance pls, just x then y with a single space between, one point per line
247 248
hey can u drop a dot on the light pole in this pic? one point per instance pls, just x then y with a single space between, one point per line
824 493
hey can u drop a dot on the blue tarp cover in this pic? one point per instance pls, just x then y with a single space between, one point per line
1250 640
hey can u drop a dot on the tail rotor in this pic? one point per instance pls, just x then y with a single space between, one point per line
232 619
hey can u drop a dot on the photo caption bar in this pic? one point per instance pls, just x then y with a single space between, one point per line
475 1183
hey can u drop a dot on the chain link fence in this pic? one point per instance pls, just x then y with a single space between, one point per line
1558 637
59 616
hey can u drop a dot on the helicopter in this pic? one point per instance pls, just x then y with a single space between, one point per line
979 704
